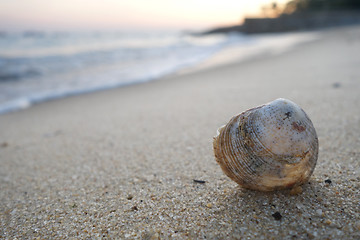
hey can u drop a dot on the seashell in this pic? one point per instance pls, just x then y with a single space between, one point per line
270 147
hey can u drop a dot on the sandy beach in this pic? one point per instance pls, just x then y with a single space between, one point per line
121 163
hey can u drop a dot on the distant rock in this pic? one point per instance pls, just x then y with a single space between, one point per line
236 28
308 20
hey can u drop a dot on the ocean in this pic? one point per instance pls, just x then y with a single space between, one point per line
39 66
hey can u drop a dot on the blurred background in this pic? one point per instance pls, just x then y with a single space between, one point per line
52 49
124 14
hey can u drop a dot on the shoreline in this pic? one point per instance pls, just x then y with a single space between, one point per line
243 49
121 163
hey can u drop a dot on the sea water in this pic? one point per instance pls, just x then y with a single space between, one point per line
38 66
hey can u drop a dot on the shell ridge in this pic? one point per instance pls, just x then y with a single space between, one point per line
233 151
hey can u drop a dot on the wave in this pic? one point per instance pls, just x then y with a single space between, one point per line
36 67
44 66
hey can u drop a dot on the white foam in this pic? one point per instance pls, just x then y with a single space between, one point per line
48 73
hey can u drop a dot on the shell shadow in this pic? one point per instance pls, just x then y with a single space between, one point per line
252 212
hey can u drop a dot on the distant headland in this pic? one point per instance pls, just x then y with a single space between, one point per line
299 15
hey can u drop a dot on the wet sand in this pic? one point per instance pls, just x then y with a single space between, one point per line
123 163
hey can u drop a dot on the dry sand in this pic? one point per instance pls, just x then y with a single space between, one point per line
122 163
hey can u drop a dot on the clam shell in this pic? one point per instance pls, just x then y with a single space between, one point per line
270 147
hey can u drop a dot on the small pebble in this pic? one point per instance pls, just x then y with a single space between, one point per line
319 212
328 181
134 208
199 181
277 216
209 205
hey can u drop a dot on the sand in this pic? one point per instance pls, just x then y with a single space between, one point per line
122 163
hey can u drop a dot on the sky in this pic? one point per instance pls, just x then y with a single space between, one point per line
125 14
